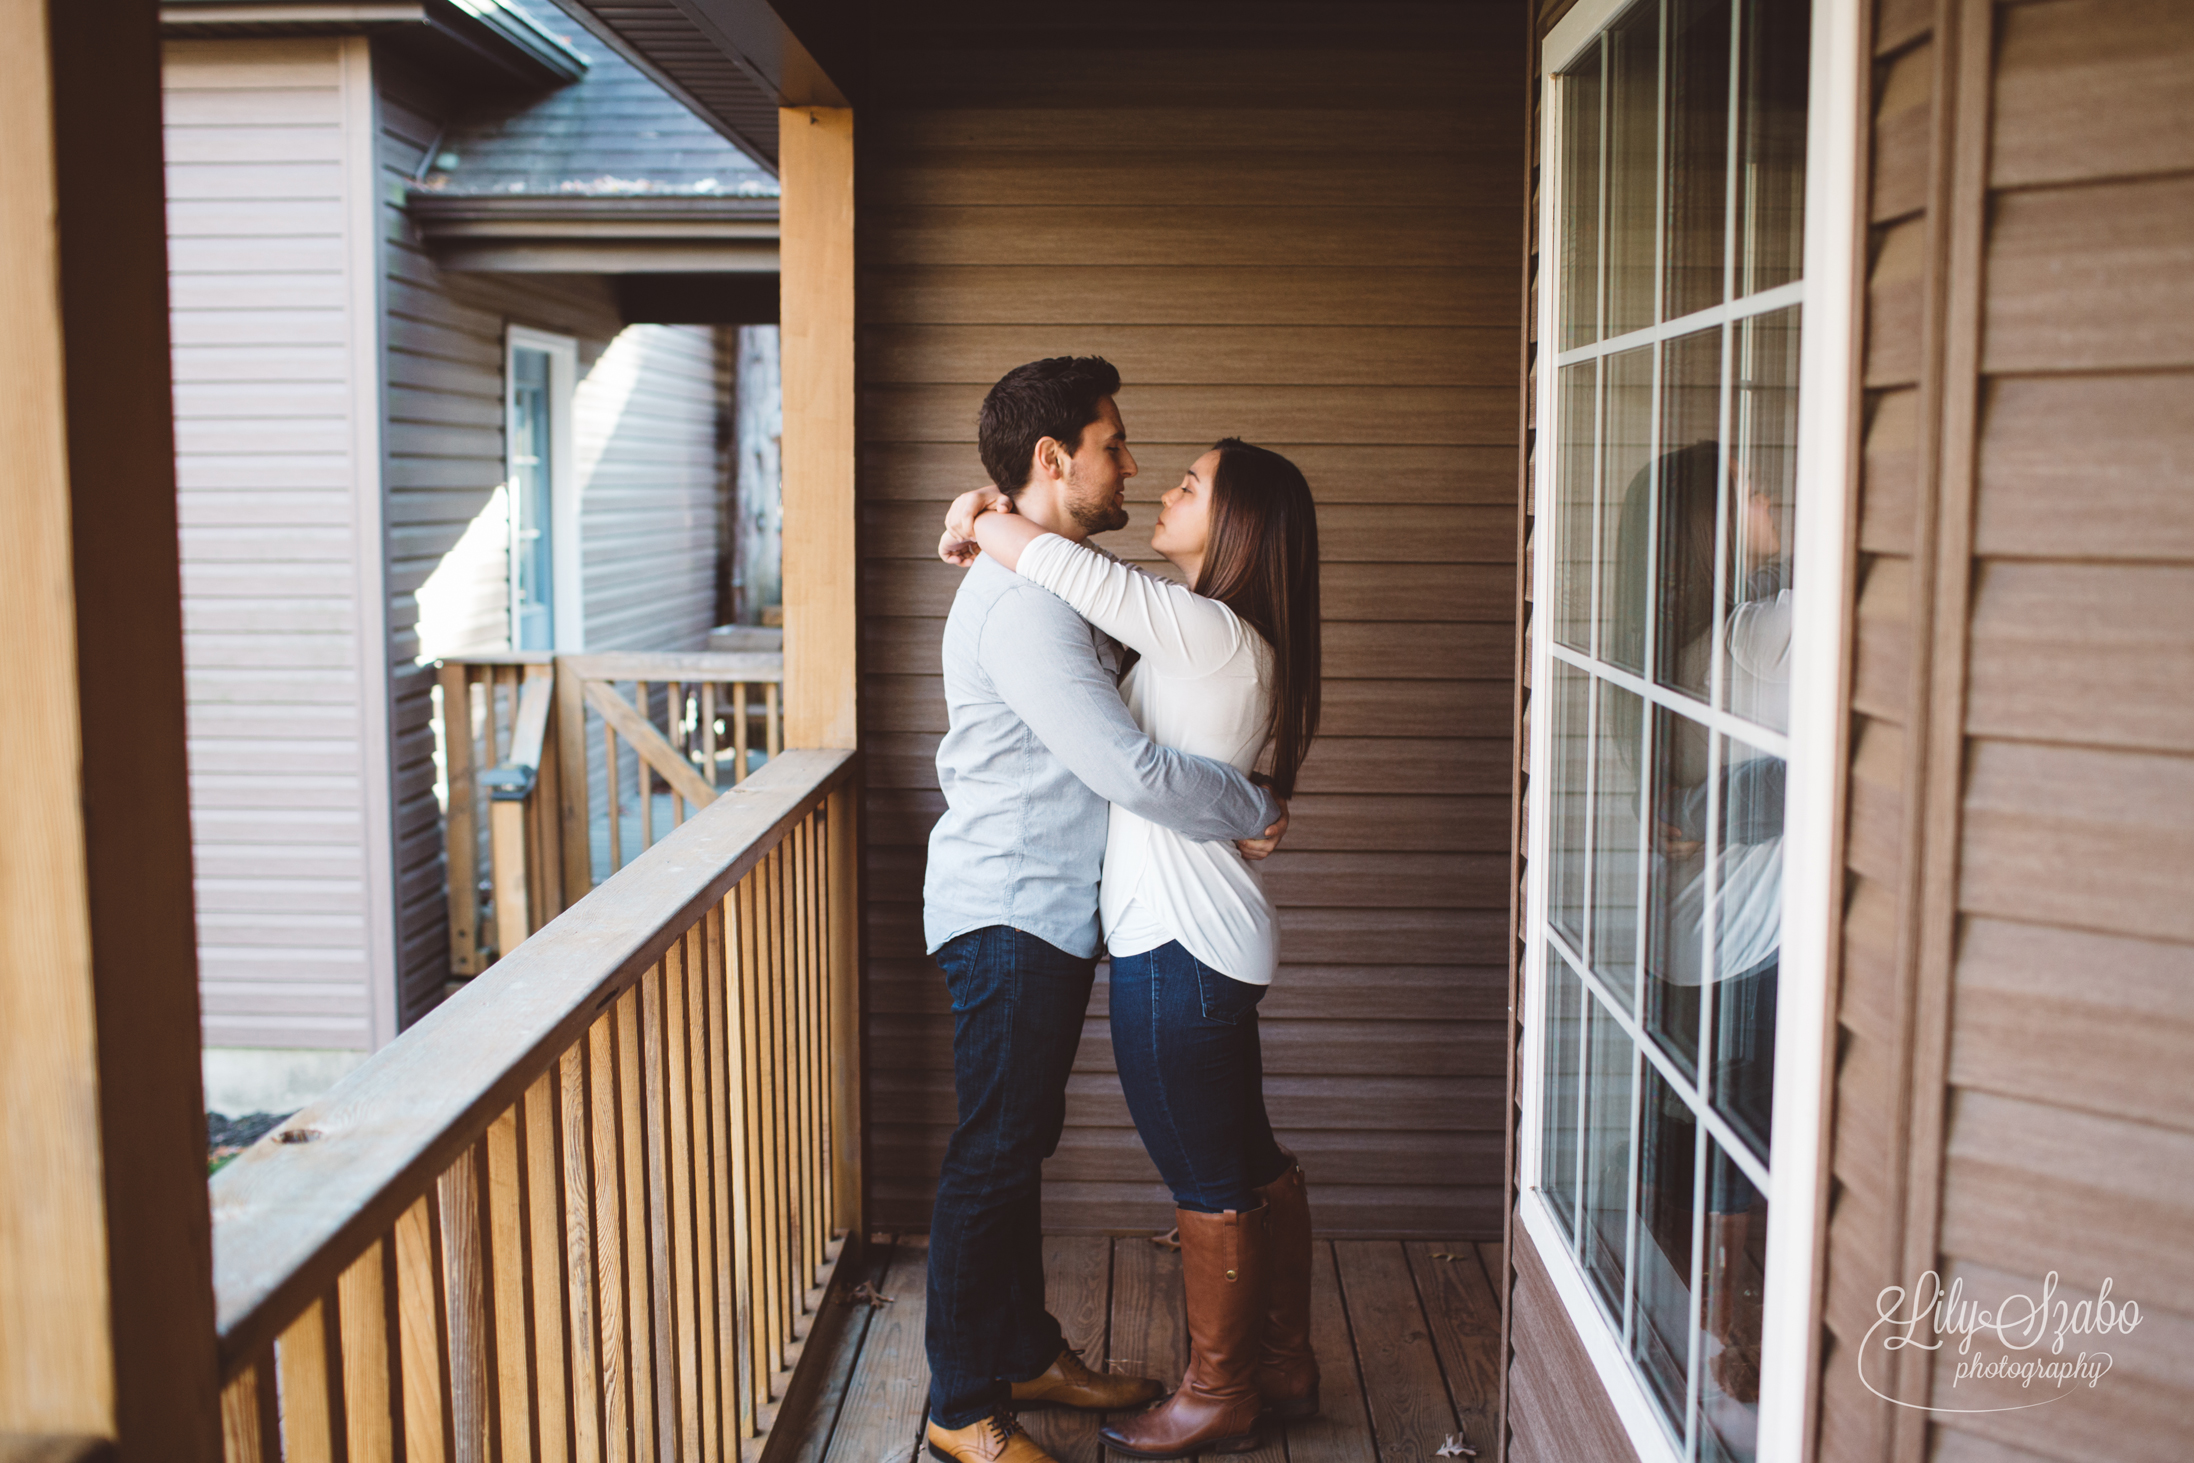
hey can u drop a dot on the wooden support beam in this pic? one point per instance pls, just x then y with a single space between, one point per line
106 1298
822 632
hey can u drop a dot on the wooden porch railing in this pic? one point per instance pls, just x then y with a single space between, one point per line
519 751
588 1208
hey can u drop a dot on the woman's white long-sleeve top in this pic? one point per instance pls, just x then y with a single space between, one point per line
1202 685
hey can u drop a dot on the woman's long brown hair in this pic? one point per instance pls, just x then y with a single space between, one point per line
1261 561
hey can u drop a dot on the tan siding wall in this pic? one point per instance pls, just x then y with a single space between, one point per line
1312 245
2007 1100
263 226
1557 1410
654 457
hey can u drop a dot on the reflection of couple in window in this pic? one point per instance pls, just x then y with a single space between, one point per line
1733 869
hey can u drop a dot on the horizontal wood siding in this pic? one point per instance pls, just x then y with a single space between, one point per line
261 234
652 419
646 438
2036 1123
1312 245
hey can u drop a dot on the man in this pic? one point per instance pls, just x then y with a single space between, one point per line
1039 744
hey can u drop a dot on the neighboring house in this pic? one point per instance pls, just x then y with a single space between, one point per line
455 302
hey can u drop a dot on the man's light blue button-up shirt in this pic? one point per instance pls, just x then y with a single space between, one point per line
1039 745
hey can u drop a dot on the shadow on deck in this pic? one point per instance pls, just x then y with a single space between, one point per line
1408 1335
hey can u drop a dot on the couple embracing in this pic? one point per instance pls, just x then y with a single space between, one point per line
1102 775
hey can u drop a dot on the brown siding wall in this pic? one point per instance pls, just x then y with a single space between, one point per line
1305 236
2017 985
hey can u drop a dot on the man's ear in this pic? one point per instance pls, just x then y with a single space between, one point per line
1051 457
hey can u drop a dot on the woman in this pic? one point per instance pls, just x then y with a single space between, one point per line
1226 668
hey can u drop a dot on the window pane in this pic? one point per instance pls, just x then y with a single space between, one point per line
1573 463
531 562
1617 759
1763 515
1568 752
1633 129
1676 886
1580 219
1667 1157
1626 445
1564 1066
1733 1265
1691 376
1771 144
1698 153
1609 1071
1748 938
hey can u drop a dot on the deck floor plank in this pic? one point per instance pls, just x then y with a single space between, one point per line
887 1396
843 1336
1077 1288
1410 1412
1342 1431
1465 1319
1149 1325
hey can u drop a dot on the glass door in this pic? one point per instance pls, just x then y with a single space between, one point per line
1667 507
529 442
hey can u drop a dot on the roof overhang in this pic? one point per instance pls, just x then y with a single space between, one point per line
593 235
484 37
734 62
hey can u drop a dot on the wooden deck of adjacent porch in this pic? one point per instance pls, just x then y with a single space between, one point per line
1408 1333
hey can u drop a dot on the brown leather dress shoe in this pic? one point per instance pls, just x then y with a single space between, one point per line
1224 1265
1287 1369
996 1439
1068 1383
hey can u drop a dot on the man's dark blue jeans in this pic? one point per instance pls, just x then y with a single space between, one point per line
1017 1009
1185 1038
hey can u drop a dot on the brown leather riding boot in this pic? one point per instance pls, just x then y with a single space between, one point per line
1287 1369
1068 1383
1225 1262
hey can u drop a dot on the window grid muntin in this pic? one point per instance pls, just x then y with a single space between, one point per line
1715 720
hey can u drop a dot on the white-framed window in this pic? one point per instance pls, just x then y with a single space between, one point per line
1684 622
540 373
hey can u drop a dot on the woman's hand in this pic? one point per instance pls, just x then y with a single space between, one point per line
958 545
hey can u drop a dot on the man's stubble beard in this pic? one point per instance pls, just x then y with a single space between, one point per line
1092 513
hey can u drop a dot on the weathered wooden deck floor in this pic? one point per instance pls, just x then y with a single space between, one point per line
1408 1337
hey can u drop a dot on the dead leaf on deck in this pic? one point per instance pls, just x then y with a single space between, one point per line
875 1298
1444 1255
1454 1447
1170 1240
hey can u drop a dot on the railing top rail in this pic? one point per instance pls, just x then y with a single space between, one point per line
692 665
501 657
289 1216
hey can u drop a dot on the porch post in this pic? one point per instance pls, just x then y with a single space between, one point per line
815 155
106 1287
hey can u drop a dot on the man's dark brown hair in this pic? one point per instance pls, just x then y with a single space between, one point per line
1056 397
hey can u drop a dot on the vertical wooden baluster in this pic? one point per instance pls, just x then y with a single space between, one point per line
677 1028
708 1116
616 814
845 1015
678 740
655 1125
781 1086
796 1069
460 838
773 725
423 1333
542 1136
639 1287
770 1055
251 1430
577 835
738 731
643 773
508 1280
811 1016
309 1367
580 1281
471 1340
365 1304
708 731
615 1358
738 1164
753 1209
